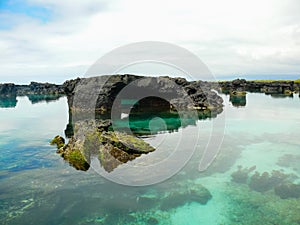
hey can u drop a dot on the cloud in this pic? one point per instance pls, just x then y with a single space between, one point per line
231 37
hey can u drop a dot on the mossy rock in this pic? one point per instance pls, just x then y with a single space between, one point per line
127 143
111 157
58 141
94 138
76 159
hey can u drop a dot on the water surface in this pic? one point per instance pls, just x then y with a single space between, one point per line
38 187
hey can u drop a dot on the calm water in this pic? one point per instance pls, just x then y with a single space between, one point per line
38 187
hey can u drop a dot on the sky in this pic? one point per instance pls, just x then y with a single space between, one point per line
50 40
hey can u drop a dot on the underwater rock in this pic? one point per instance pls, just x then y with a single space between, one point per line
290 161
261 183
179 198
264 182
152 221
277 180
288 190
242 175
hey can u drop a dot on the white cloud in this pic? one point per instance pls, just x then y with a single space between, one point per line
231 37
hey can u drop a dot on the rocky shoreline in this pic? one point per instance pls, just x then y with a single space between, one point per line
117 82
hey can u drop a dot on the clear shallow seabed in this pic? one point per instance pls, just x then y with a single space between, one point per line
38 187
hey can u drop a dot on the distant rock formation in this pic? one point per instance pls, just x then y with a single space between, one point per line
35 88
267 87
36 92
238 88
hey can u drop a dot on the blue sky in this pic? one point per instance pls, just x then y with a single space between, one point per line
51 40
21 7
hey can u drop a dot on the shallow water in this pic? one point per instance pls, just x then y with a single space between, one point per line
38 187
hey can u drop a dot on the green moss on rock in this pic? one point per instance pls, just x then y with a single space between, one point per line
76 159
58 141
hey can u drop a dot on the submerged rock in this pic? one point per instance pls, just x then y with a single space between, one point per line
288 190
242 175
278 181
265 181
176 199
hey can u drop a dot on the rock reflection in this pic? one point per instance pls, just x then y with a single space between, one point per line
8 102
34 98
114 146
238 100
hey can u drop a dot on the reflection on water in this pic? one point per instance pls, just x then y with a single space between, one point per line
238 101
120 137
43 98
8 102
112 143
11 101
260 151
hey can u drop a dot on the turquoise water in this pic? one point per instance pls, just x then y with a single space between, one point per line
38 187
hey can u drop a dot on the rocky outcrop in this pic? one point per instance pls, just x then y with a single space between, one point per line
95 139
180 93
